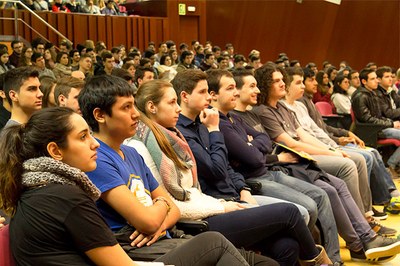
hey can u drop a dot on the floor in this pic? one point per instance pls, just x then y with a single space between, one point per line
393 221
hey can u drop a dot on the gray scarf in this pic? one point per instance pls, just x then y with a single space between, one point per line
45 170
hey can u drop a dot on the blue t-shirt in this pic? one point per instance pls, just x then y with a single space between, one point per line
112 171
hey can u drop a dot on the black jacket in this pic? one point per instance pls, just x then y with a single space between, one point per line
365 105
389 109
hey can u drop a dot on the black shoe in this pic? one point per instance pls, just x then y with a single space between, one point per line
382 230
359 256
379 215
381 247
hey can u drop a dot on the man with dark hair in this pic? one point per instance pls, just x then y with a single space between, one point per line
354 78
117 54
67 91
239 61
183 47
186 61
136 58
382 186
142 75
389 100
38 61
22 89
108 64
85 65
14 58
367 109
200 127
216 51
65 46
137 209
208 63
249 152
38 45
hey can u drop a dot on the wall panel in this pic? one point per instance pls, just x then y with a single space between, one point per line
358 31
113 30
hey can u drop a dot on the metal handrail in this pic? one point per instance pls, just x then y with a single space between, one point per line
16 19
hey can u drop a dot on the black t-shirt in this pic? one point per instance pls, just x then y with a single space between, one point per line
55 225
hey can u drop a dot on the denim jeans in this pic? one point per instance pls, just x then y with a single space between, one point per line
260 227
295 190
392 133
380 180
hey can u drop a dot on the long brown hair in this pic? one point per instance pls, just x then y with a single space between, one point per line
19 143
153 91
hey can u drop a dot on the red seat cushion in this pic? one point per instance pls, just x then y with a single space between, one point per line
6 258
395 142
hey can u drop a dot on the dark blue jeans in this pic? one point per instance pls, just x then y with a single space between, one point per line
277 230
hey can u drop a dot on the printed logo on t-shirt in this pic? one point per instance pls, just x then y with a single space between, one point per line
136 185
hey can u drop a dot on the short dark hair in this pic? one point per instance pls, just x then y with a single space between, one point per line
353 71
14 43
291 71
185 54
364 74
72 52
106 55
308 73
14 78
64 85
122 73
239 74
214 77
101 92
139 73
382 70
37 41
216 48
187 80
115 50
36 56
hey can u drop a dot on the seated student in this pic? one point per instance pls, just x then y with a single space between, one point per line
248 92
340 98
137 210
281 123
43 186
352 170
382 186
62 67
176 167
324 89
366 108
67 91
22 89
250 153
200 126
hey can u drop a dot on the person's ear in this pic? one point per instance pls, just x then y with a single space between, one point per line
54 151
363 81
151 107
214 96
184 96
99 115
13 95
62 100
